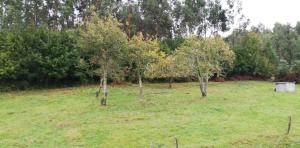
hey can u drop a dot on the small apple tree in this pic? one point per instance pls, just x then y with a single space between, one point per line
141 53
106 41
206 57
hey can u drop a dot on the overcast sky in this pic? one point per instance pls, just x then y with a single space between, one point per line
268 12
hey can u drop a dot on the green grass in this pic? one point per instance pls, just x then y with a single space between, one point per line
235 114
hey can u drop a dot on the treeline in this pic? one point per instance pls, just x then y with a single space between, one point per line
41 41
155 18
267 53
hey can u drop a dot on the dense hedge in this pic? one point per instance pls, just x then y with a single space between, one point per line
40 56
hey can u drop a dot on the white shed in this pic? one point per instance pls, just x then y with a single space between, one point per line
285 86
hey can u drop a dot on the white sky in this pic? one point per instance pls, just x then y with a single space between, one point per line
268 12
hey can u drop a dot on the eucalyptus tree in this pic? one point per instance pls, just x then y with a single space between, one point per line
11 14
285 42
297 27
106 41
189 15
2 7
204 17
131 17
157 19
68 16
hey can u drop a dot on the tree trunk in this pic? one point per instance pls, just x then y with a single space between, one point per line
206 84
100 87
170 83
101 84
103 100
202 86
141 87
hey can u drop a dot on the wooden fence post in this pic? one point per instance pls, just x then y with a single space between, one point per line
289 125
176 143
151 145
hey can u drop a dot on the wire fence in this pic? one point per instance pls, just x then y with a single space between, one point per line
283 140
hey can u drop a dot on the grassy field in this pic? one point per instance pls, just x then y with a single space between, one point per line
235 114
